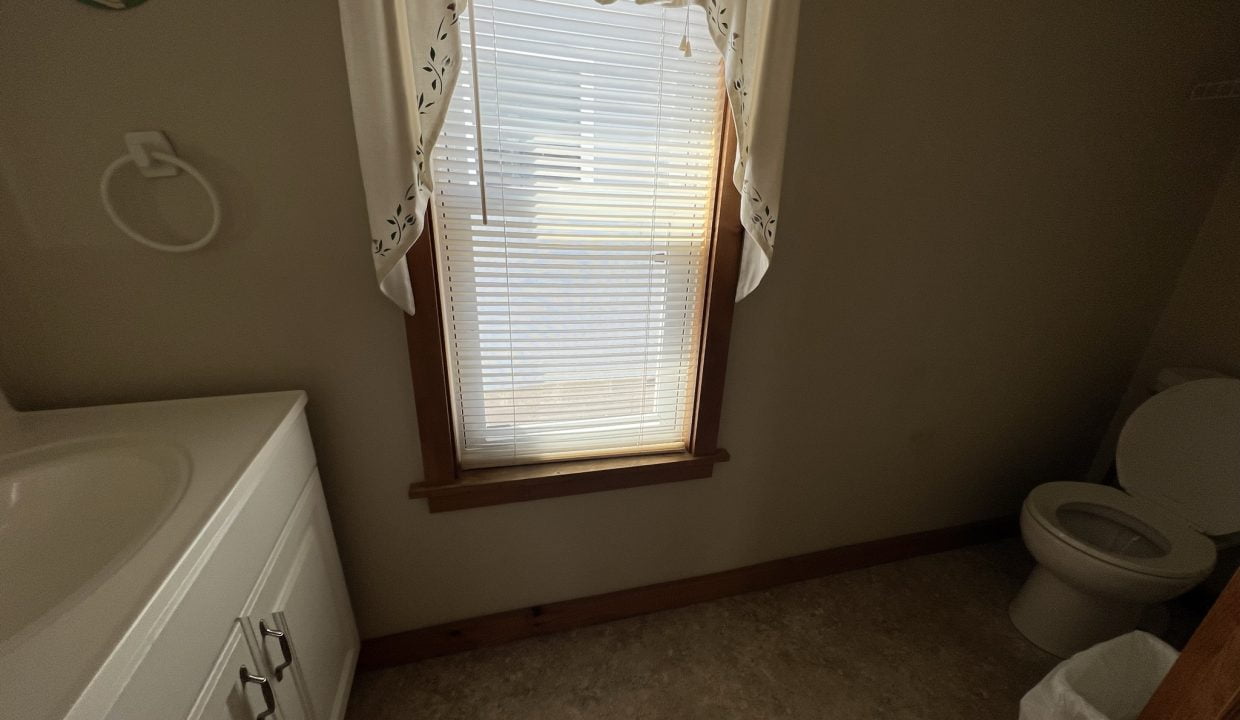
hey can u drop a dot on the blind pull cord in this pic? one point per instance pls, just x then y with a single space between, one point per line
482 173
685 47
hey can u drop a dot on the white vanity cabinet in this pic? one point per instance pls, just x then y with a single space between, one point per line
254 621
225 696
296 635
184 541
299 619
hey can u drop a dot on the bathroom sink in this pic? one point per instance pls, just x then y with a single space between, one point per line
70 511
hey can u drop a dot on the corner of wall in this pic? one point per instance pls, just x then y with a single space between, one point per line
1196 327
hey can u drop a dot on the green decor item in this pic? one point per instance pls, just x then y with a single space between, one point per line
113 4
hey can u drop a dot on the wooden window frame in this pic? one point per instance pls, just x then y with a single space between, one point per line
447 486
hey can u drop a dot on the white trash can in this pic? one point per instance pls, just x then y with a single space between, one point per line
1112 680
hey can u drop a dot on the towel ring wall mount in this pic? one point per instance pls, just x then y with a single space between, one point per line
153 155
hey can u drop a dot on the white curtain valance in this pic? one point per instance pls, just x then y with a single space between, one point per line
403 58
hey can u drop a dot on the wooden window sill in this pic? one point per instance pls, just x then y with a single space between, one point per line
497 486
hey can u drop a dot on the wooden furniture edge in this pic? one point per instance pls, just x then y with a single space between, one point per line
503 627
1203 684
519 483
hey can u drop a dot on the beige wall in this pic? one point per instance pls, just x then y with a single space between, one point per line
1201 324
986 207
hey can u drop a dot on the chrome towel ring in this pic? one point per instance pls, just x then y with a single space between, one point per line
151 152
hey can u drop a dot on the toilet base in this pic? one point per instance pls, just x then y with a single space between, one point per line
1063 620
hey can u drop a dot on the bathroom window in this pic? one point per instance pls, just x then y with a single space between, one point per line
581 261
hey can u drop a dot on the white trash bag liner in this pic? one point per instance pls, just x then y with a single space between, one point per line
1109 681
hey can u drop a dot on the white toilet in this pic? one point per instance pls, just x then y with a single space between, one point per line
1106 555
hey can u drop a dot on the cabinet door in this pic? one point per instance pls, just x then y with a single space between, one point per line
304 598
225 696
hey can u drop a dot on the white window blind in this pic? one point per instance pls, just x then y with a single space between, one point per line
573 313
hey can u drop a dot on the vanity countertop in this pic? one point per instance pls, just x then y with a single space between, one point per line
67 661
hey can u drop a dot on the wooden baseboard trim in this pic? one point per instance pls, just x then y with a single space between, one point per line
503 627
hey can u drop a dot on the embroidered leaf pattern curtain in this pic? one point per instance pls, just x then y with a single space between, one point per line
403 58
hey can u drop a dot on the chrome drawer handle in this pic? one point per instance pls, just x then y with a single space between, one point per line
267 632
268 696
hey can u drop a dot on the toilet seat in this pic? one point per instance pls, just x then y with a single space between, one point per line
1188 552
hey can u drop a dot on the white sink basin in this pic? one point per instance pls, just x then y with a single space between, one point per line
71 511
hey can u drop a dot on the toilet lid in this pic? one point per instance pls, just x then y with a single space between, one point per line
1181 450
